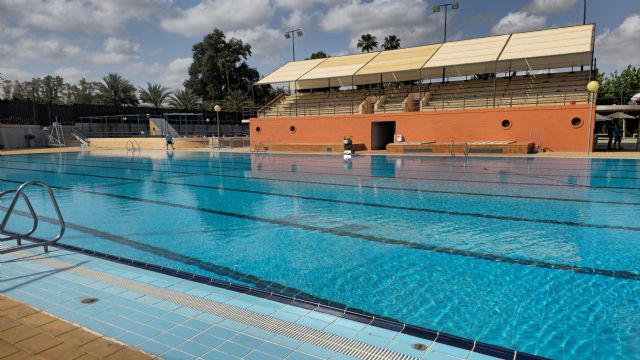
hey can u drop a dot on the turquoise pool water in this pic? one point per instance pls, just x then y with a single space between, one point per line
536 254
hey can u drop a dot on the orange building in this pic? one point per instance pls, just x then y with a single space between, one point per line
508 93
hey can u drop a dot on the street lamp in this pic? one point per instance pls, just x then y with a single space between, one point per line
584 13
592 87
291 34
217 109
436 9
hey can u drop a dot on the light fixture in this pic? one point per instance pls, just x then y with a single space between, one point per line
287 35
455 5
207 119
299 33
436 9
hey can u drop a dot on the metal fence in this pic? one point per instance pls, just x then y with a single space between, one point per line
30 113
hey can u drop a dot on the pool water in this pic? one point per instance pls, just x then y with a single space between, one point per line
541 255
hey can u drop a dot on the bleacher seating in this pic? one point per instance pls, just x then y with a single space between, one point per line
532 90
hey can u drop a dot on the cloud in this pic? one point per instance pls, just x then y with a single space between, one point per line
551 6
177 72
77 16
519 21
263 40
46 49
117 51
71 74
619 47
380 18
228 15
15 73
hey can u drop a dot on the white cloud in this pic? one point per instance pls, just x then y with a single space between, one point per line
263 40
116 51
77 16
380 18
176 72
228 15
71 74
46 49
551 6
619 47
519 21
15 73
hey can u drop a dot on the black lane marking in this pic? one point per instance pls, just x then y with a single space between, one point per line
255 281
360 186
425 210
620 274
552 177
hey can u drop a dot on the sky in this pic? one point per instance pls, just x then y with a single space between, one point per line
151 40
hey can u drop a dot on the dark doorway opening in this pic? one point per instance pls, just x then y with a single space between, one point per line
382 133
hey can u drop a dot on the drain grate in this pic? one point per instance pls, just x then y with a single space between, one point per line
312 336
89 300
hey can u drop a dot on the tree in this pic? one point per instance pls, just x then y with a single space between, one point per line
154 94
52 87
317 55
236 100
618 89
116 90
7 89
391 42
183 99
367 43
220 66
82 93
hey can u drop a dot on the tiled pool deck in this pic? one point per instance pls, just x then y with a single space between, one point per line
176 318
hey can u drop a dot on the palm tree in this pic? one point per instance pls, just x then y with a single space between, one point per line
183 99
116 90
236 100
391 42
367 42
154 94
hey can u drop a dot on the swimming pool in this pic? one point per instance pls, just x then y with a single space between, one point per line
536 254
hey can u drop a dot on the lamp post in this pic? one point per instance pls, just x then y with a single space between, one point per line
436 9
584 13
291 34
217 109
592 87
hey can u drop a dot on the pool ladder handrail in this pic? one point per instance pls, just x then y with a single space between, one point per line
7 235
135 145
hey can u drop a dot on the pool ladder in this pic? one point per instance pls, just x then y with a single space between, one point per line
133 146
6 235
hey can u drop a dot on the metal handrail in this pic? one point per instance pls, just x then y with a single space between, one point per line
19 192
133 143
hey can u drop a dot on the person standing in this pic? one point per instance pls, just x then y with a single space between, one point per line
611 130
169 140
618 138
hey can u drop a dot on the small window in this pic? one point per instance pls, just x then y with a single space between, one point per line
258 129
506 124
292 129
576 122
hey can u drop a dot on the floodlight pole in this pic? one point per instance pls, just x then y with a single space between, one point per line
436 9
584 13
292 34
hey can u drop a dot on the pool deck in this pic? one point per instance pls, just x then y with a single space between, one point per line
175 318
626 154
28 333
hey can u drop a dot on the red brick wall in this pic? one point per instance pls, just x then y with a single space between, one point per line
552 124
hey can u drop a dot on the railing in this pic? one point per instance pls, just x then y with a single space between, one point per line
9 235
84 142
526 97
133 145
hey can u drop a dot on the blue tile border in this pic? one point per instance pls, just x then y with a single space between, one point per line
349 314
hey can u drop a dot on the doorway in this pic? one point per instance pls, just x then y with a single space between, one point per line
382 133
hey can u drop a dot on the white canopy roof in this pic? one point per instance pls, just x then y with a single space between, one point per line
542 49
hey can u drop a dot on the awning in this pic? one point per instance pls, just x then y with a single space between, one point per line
399 65
552 48
336 70
466 57
619 115
290 71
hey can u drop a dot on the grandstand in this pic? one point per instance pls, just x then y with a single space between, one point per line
505 75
